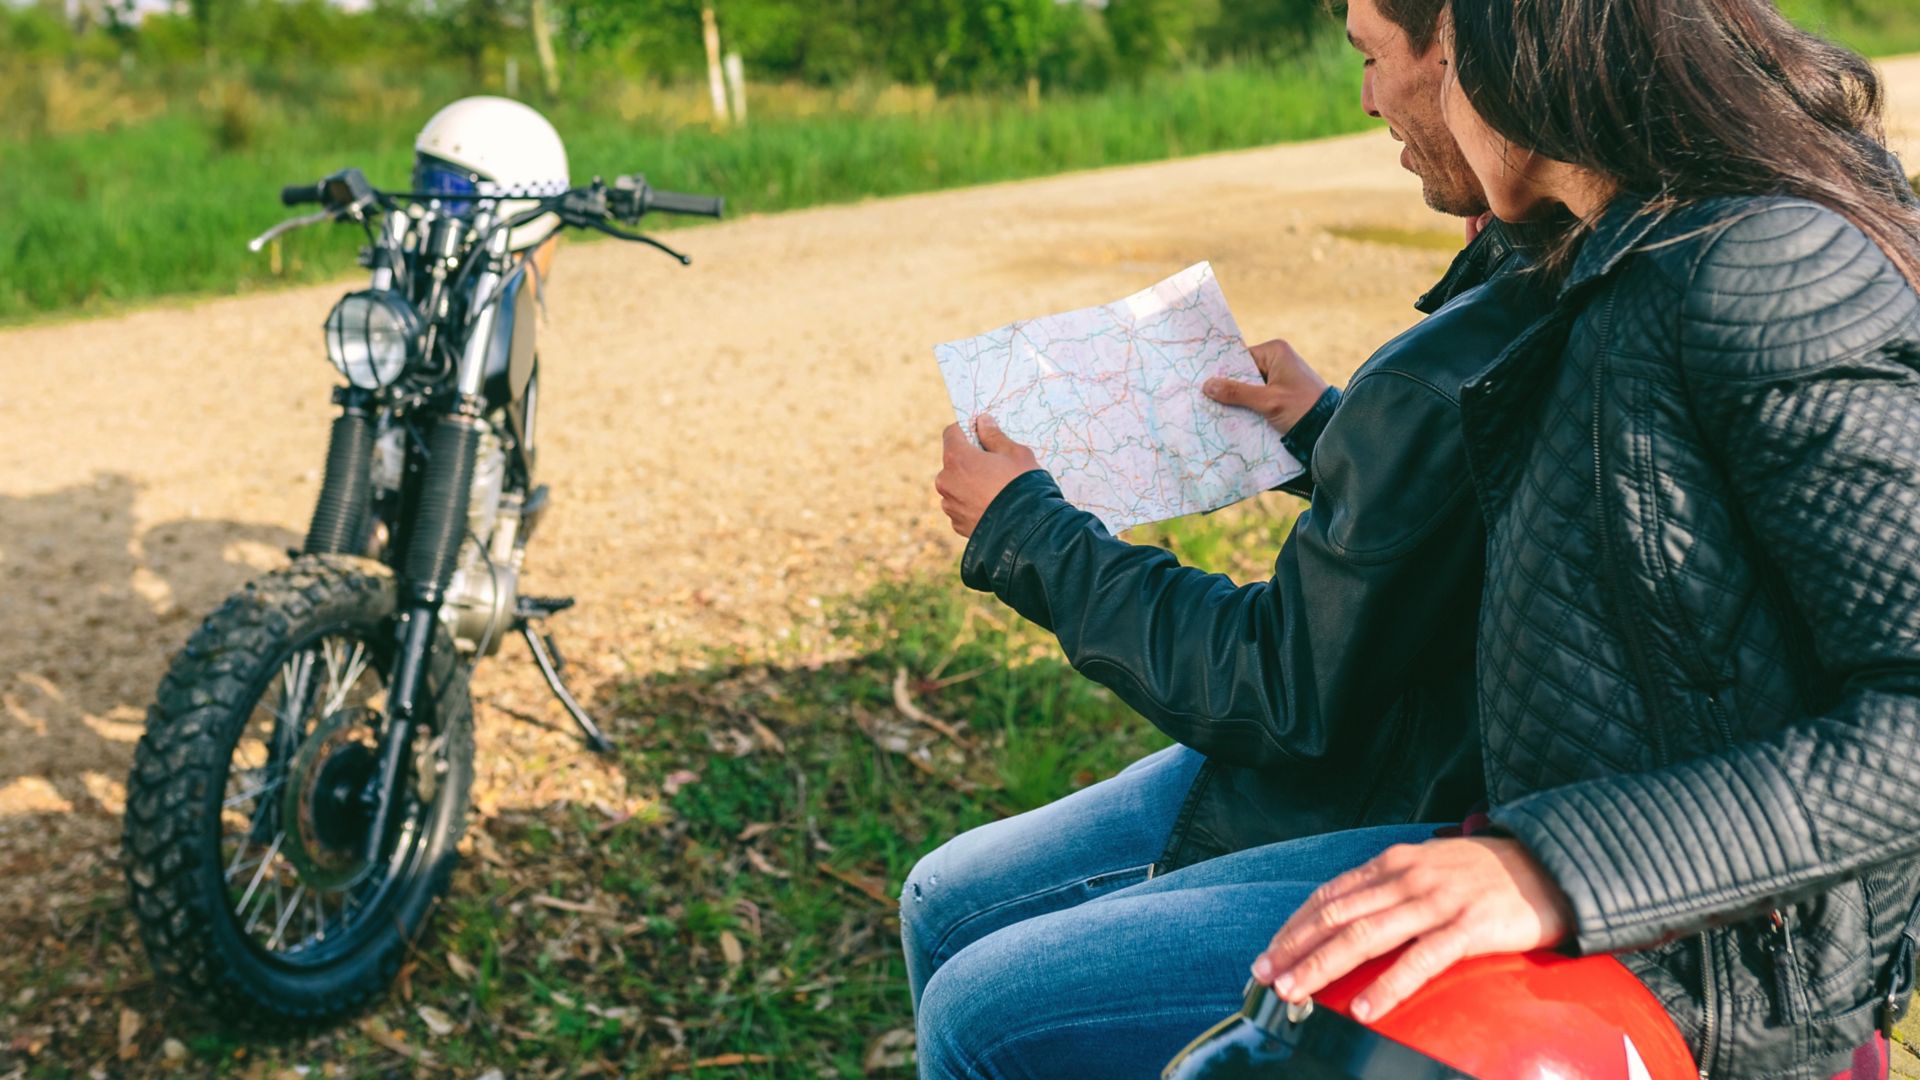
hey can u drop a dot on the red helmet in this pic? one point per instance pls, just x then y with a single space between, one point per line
1514 1017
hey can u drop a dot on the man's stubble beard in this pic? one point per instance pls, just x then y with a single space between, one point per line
1452 200
1447 182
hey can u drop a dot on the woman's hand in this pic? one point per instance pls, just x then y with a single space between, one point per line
1451 898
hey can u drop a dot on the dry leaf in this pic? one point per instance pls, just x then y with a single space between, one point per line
129 1031
865 885
767 737
892 1050
678 779
755 831
749 911
724 1061
462 970
624 1014
903 701
730 948
439 1024
574 906
764 865
376 1029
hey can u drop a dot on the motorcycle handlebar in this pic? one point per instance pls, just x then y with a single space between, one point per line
674 202
300 194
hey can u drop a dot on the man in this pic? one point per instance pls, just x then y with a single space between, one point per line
1337 696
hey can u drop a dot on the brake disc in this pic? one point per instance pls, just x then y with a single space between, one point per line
326 820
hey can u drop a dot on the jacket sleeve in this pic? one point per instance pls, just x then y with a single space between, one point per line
1303 436
1803 381
1257 673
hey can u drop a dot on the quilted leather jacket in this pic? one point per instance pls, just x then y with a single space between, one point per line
1699 652
1340 693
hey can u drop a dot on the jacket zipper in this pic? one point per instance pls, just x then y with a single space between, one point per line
1709 1007
1721 717
1785 965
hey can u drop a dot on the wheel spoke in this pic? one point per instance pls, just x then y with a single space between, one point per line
287 910
253 793
295 675
239 867
277 909
254 885
356 665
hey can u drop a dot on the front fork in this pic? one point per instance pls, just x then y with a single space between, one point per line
433 543
427 565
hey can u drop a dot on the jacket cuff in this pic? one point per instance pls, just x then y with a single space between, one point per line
1620 848
1588 934
1300 439
1010 518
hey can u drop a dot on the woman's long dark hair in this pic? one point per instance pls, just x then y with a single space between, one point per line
1679 100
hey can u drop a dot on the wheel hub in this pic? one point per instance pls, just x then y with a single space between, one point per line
326 820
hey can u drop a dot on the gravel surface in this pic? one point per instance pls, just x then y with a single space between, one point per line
730 446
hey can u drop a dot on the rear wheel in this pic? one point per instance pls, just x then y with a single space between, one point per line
258 895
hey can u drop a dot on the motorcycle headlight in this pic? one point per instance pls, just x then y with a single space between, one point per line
371 336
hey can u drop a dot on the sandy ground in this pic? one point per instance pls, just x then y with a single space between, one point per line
728 445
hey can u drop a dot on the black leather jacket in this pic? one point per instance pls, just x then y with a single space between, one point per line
1699 649
1340 693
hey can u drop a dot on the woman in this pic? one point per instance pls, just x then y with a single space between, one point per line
1699 650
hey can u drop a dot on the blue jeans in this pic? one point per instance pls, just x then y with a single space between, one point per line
1045 946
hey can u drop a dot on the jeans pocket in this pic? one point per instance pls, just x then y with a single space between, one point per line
1102 884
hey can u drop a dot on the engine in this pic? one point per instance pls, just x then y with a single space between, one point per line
479 604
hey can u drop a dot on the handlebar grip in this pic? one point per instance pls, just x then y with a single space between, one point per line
299 194
673 202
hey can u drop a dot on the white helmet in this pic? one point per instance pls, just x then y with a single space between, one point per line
488 145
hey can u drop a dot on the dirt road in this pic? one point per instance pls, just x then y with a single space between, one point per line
728 445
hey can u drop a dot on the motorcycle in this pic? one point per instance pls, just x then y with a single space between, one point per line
297 796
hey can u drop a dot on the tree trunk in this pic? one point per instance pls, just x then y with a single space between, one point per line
716 83
543 48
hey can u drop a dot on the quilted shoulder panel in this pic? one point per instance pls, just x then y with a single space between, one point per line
1785 286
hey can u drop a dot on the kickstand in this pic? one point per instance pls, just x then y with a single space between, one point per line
543 656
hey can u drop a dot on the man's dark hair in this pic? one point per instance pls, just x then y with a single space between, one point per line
1418 19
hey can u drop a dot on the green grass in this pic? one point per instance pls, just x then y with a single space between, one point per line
748 911
161 203
1873 27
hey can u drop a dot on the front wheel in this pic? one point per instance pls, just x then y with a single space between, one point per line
258 895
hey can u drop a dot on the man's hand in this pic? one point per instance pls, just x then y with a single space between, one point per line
1290 389
971 476
1452 899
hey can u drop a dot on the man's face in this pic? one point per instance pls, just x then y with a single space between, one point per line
1404 90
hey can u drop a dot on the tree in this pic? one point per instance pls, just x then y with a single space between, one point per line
1149 34
1260 27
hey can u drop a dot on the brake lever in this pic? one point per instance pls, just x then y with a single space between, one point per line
288 226
641 238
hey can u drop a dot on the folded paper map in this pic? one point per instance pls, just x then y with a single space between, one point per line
1109 399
